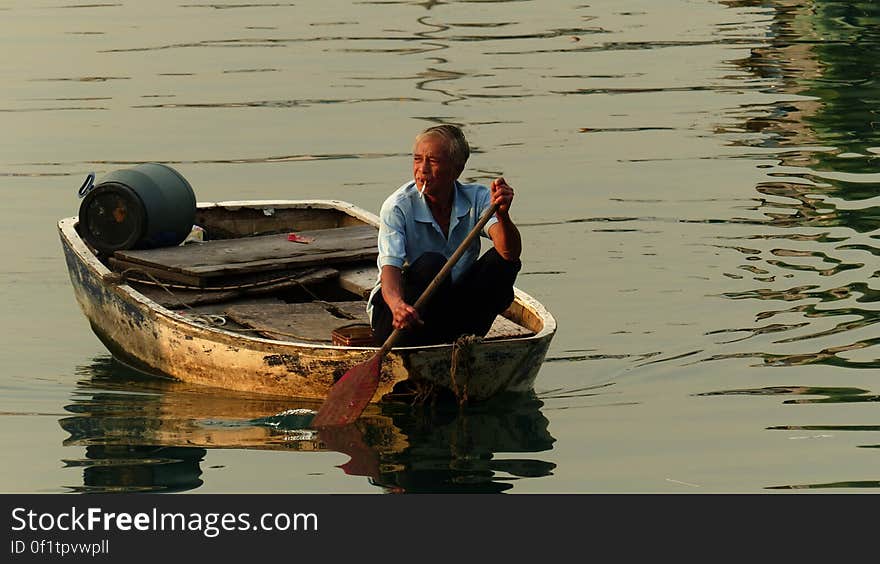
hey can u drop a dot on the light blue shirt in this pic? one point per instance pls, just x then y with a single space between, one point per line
407 228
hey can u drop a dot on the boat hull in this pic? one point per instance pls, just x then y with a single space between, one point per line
162 342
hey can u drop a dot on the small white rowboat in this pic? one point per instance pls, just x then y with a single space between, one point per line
255 309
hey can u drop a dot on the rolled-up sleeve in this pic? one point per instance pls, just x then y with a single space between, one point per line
392 239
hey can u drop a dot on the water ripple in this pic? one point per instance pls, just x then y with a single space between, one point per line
825 394
234 6
274 103
68 6
849 484
829 356
240 160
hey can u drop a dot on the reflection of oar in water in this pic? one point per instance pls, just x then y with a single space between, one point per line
349 440
350 395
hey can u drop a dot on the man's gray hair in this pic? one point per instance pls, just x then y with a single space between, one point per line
456 144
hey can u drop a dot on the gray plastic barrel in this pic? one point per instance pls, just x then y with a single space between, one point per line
147 206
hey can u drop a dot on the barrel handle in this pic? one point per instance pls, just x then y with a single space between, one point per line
87 185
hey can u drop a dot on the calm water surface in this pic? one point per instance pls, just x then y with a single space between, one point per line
696 186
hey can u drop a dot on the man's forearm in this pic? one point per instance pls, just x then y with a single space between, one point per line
506 238
392 285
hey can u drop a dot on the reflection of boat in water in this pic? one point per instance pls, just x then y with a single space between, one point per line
143 434
131 468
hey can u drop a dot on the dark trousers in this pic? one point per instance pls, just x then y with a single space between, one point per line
467 307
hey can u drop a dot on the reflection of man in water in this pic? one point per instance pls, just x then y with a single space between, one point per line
422 224
446 450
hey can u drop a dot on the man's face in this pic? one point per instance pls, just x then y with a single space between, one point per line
433 170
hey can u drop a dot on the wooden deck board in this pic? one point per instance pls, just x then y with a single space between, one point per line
229 257
503 328
310 321
202 313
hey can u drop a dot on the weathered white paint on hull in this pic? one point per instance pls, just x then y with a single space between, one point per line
162 342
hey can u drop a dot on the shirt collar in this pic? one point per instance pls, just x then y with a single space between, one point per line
461 206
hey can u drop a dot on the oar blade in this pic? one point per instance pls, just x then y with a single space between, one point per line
350 395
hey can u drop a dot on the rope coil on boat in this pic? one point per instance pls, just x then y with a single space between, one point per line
210 319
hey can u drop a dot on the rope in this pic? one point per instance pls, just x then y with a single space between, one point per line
461 365
424 391
178 286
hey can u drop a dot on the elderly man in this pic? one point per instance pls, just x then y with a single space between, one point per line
422 224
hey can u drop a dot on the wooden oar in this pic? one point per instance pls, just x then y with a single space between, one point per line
350 394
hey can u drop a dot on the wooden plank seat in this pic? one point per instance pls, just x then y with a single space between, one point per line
202 264
359 279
